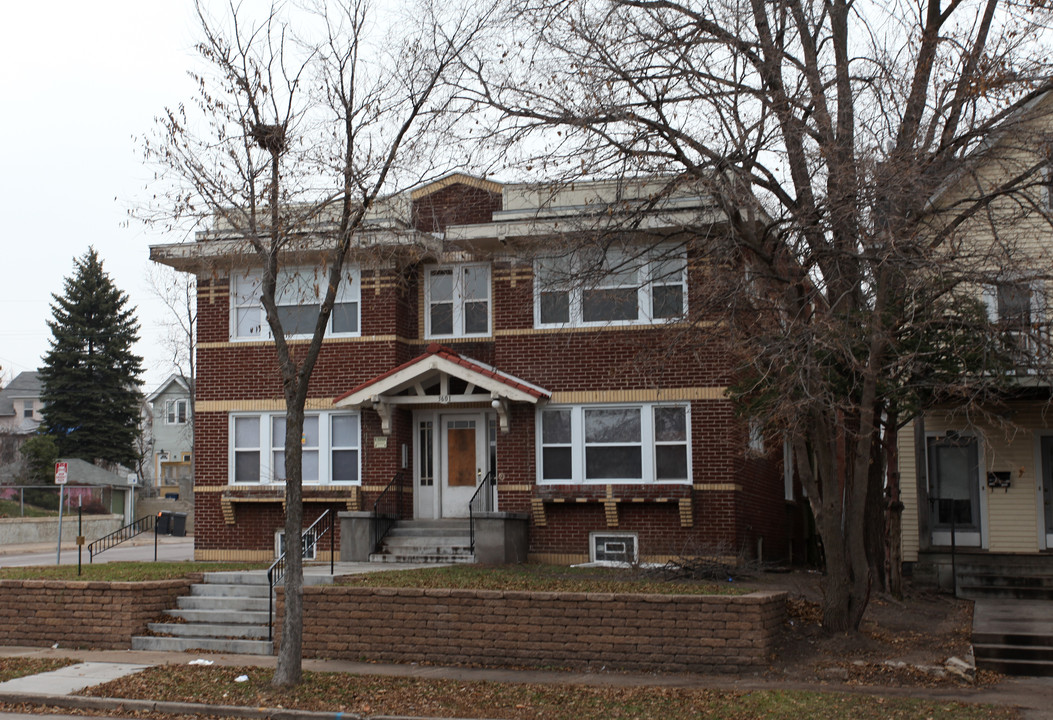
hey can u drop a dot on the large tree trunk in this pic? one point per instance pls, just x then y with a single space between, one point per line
876 544
895 509
289 670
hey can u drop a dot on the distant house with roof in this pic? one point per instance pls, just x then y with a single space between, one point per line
20 404
170 420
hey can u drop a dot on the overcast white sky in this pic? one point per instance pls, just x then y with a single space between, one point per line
79 81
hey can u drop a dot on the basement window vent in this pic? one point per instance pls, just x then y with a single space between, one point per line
614 548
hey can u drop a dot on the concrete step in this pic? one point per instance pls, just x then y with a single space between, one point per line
210 630
999 579
986 651
176 644
222 603
1035 668
399 532
423 558
410 541
221 617
220 590
977 592
448 524
238 577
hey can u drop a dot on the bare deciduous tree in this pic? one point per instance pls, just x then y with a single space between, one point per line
828 134
304 118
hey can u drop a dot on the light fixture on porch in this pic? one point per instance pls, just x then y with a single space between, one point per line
501 406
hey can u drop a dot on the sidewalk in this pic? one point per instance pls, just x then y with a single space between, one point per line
1033 695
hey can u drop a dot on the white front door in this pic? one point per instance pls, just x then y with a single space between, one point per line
463 460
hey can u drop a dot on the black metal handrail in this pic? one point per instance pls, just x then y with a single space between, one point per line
308 540
388 509
137 527
480 502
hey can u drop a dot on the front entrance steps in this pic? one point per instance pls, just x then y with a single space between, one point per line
427 541
1013 637
225 613
1015 577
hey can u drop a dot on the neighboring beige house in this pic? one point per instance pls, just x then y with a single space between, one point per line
171 425
20 404
988 475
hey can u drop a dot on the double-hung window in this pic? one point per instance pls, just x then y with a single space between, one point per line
330 444
176 411
457 300
616 443
298 294
1018 308
589 288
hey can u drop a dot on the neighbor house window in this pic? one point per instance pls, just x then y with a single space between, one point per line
27 409
588 288
601 443
298 294
457 300
176 411
329 442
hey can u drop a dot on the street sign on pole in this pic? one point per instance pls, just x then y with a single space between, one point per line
61 473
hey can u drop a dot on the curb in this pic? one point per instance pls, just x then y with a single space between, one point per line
75 702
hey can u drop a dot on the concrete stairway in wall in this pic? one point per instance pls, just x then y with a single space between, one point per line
1013 637
427 541
225 613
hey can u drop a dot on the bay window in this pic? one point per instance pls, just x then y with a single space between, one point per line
623 443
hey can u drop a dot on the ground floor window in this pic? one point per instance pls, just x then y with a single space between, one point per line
614 443
330 443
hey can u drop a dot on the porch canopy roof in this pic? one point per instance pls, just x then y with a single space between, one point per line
442 376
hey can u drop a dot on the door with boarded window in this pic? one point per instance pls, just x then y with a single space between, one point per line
463 461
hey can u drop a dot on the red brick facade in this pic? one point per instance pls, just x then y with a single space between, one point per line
733 503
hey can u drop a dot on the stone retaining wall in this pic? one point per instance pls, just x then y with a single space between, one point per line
672 633
98 615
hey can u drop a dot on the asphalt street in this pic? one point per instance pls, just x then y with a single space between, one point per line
139 550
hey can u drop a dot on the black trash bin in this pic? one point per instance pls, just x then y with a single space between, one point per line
178 524
163 526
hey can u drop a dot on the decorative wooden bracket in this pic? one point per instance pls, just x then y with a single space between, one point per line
383 408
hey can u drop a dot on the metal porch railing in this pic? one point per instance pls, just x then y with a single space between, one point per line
482 501
388 509
309 541
144 524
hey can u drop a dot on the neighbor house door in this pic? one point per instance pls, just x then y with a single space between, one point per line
1046 515
954 490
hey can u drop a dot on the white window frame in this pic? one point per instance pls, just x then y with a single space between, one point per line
646 282
648 444
172 408
294 284
267 448
459 300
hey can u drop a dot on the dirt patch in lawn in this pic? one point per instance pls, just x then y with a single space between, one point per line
902 642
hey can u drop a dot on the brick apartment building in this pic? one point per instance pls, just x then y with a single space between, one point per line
469 343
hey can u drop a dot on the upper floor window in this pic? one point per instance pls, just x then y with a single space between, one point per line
1018 308
329 443
601 444
298 295
593 288
176 411
457 301
27 408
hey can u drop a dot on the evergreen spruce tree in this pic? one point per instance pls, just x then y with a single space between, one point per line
90 375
